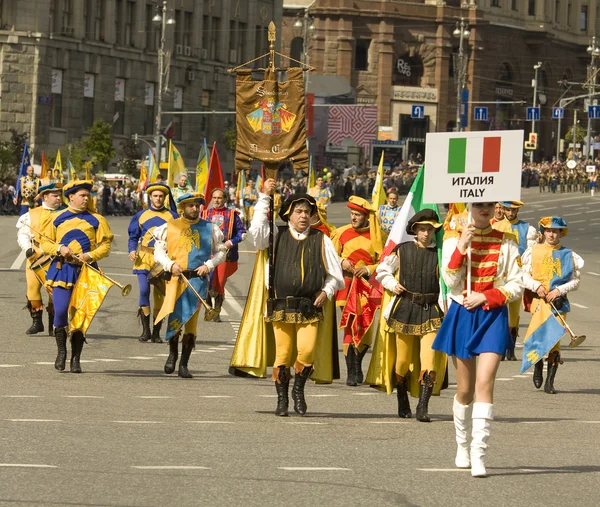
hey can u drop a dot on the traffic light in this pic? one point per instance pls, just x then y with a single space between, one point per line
531 144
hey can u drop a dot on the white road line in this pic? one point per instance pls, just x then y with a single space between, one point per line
87 360
210 422
138 422
588 422
33 420
388 422
305 423
592 273
315 469
169 467
571 214
322 395
141 358
10 365
44 363
153 397
224 312
83 396
267 396
571 205
501 379
580 306
231 301
209 351
365 394
21 395
444 469
536 422
25 465
110 360
215 396
571 222
18 261
520 376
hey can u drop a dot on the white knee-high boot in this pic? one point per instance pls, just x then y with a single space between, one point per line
483 415
462 425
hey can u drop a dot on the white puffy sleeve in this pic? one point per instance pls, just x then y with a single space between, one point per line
335 277
386 270
24 234
259 227
160 248
573 283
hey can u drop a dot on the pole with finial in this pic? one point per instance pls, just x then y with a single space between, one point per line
272 39
271 172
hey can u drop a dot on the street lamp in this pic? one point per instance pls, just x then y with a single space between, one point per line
304 27
536 67
163 18
593 51
461 32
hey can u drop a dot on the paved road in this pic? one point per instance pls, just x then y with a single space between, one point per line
125 434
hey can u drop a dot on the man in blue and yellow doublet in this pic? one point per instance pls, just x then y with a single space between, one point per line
551 271
388 212
526 236
28 189
77 235
188 248
141 252
321 193
29 228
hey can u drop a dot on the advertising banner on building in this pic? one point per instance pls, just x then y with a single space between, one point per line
270 119
473 166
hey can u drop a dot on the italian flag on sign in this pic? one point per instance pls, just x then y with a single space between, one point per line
474 155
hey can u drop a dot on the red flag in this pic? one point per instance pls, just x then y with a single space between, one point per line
215 174
359 310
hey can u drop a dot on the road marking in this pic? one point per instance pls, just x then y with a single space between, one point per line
501 379
444 469
389 422
520 376
224 312
21 395
592 273
44 363
577 222
215 396
322 395
536 422
267 396
141 358
365 394
154 397
16 265
33 420
25 465
171 467
571 214
87 360
138 422
571 205
231 301
83 396
210 422
315 469
580 306
305 422
109 360
10 365
588 422
202 350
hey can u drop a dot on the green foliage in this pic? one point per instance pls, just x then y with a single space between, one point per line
11 153
230 136
129 157
98 144
579 136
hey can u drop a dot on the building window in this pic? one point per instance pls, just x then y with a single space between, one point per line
151 33
296 50
89 81
514 5
188 21
119 22
569 9
556 10
361 54
495 3
57 90
205 37
130 24
178 118
149 109
87 18
99 20
178 35
119 114
242 38
531 7
583 18
66 18
214 40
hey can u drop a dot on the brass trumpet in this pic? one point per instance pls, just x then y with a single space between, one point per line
575 340
210 311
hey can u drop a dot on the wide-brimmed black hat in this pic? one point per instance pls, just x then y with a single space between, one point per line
286 207
425 216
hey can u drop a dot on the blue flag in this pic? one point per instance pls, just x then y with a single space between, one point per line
25 163
543 333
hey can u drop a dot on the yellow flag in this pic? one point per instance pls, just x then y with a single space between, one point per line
378 195
176 164
87 166
202 168
87 297
58 164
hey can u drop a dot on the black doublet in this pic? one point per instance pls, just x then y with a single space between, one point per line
416 311
299 275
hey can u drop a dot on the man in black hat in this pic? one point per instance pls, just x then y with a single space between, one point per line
307 272
414 315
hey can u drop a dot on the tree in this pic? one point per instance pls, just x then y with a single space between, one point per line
230 136
579 136
128 160
99 144
11 153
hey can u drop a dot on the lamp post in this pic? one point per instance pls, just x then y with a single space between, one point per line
160 18
594 51
461 32
304 27
534 84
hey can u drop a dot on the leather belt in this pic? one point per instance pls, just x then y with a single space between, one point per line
423 299
147 249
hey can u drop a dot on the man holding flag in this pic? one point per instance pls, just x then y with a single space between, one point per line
189 248
27 184
76 237
550 271
141 253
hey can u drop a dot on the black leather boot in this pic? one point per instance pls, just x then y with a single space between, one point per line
173 354
300 378
60 333
403 403
350 365
50 310
187 345
281 376
538 374
218 304
156 332
358 365
510 352
553 362
77 340
145 320
425 390
38 322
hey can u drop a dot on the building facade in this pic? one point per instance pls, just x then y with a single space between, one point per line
66 63
399 54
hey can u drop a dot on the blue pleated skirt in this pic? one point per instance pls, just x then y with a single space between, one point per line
467 333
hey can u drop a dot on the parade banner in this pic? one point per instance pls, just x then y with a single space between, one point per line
473 166
270 119
89 292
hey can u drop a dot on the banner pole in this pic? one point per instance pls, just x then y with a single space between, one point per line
469 220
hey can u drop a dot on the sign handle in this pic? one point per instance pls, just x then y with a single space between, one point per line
469 220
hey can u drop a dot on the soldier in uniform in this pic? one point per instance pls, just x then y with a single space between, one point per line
228 220
192 248
28 190
526 236
551 271
74 236
141 253
414 314
306 274
359 246
388 212
29 226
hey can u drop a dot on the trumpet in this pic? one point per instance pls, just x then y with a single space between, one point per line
210 311
125 289
575 340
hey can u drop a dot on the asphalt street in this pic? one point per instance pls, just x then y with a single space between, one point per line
125 434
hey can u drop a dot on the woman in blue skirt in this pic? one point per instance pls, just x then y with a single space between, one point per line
477 325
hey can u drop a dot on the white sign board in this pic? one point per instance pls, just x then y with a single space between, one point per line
119 90
89 81
590 168
57 79
473 166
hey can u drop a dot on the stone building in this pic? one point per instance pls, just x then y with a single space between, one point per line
397 54
66 63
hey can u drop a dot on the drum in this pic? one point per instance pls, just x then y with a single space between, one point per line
155 277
